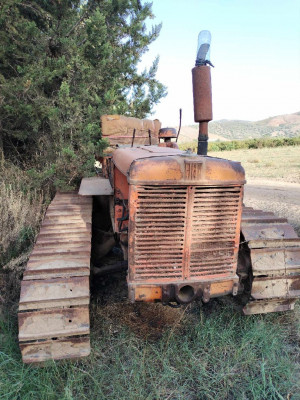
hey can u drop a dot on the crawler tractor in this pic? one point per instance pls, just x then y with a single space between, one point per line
180 221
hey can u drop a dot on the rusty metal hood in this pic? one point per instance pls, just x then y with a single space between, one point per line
158 165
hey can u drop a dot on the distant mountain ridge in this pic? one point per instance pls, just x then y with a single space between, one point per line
287 125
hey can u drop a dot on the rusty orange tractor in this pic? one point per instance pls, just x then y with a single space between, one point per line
180 221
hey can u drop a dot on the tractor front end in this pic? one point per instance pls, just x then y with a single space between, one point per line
183 226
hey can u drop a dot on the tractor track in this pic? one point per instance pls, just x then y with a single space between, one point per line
54 301
281 198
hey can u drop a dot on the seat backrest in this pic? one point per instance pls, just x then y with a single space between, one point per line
119 129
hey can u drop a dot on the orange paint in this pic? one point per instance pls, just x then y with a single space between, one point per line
148 293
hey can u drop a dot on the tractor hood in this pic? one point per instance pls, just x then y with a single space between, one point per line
162 165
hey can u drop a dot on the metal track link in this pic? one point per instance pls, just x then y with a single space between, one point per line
54 301
275 260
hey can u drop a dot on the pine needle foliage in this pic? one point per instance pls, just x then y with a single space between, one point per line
63 63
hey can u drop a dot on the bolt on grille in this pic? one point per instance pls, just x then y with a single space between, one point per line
182 232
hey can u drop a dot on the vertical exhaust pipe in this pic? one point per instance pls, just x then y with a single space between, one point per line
202 90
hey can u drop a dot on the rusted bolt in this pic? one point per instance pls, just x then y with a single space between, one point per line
235 289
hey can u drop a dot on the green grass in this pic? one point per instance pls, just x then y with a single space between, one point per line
214 354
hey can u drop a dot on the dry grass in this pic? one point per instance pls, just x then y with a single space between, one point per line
18 212
21 210
277 163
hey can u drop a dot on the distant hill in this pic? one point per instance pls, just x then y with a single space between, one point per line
287 125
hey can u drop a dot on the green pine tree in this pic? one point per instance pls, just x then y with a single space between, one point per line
63 63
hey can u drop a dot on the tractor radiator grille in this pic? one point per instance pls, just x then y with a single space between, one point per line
184 232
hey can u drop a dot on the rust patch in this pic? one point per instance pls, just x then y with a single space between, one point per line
295 285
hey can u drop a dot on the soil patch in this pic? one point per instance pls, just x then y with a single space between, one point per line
147 320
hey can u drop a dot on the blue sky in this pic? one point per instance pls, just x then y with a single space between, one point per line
255 49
